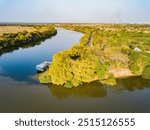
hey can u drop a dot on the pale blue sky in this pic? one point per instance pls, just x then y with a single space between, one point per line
99 11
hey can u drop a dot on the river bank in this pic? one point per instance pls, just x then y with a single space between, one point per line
15 37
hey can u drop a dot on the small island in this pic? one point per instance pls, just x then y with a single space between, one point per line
105 53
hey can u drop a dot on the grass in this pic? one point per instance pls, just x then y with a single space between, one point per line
15 29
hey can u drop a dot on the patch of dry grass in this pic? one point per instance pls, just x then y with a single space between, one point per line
15 29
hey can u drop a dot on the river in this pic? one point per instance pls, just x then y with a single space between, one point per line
20 92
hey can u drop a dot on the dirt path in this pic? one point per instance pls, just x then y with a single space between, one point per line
90 39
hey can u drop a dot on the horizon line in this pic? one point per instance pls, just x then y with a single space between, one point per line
42 23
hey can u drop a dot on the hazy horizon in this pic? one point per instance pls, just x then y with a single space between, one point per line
75 11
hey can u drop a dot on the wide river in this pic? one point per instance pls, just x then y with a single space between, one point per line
20 92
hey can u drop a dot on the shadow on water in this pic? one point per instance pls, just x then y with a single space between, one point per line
95 89
23 46
92 97
86 90
132 84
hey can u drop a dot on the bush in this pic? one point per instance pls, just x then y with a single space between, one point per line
138 61
85 39
102 70
44 77
146 72
111 81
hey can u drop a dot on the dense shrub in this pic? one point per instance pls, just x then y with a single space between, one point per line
138 61
111 81
146 72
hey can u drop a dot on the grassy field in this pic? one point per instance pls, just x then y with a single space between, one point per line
15 29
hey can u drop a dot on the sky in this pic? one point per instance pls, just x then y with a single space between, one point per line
75 11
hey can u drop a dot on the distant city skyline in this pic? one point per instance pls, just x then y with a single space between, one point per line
75 11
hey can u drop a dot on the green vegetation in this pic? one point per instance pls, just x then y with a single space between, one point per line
109 81
138 62
85 39
146 72
111 54
25 38
72 67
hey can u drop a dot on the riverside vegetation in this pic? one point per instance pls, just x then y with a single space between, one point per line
23 36
105 53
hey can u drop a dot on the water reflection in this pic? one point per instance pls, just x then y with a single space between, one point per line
20 63
23 46
84 91
91 97
132 84
95 89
